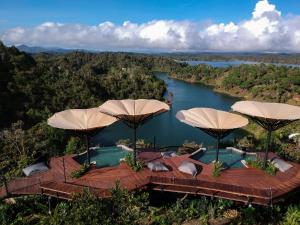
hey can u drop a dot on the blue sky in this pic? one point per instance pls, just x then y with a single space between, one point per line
181 21
33 12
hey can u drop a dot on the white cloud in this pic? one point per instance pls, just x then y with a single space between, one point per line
266 30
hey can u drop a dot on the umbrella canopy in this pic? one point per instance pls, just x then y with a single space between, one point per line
84 121
216 123
271 116
211 120
267 111
134 112
80 119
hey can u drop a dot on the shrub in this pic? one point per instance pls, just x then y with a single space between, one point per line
125 142
292 215
74 145
217 168
129 160
259 164
81 171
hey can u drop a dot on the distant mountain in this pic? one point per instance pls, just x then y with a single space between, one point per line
36 49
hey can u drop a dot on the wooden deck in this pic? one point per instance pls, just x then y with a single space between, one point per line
244 185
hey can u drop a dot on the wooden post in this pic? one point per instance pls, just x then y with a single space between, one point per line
49 205
134 145
5 185
87 138
63 161
267 147
217 152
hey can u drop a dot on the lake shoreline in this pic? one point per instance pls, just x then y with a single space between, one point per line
212 87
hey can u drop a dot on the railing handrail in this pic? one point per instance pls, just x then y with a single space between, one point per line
208 184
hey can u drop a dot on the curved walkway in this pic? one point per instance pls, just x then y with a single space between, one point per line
245 185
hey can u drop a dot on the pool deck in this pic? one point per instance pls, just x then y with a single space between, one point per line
246 185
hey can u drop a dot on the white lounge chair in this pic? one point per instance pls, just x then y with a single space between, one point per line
281 164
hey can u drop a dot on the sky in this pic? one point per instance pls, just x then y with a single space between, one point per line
158 25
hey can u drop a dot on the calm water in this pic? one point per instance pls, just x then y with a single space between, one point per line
108 156
230 158
166 128
224 64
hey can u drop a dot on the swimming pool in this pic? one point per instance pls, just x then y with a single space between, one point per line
104 156
229 157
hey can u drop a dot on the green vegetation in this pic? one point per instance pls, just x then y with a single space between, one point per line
259 164
217 168
292 215
129 160
126 208
81 171
74 145
32 88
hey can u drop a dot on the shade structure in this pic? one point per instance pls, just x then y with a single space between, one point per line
216 123
83 121
134 112
271 116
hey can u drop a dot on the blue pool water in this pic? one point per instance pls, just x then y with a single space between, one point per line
229 158
104 156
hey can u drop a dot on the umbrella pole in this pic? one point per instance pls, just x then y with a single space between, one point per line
134 146
267 147
87 138
217 153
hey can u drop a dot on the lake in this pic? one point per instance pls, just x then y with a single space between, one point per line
224 64
167 130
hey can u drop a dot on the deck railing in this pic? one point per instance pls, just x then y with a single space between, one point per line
220 187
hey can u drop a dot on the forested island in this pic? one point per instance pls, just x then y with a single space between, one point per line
281 58
33 87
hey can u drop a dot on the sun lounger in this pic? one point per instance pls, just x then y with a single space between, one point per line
281 164
157 166
36 168
188 167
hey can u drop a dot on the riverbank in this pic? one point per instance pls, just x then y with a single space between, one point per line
256 82
213 88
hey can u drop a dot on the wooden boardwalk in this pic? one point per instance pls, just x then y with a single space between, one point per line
244 185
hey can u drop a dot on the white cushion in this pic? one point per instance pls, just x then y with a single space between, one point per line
281 165
157 166
168 154
188 167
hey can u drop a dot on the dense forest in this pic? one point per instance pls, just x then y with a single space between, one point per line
33 87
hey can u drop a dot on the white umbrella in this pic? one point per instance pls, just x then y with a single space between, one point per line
216 123
134 112
85 121
271 116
